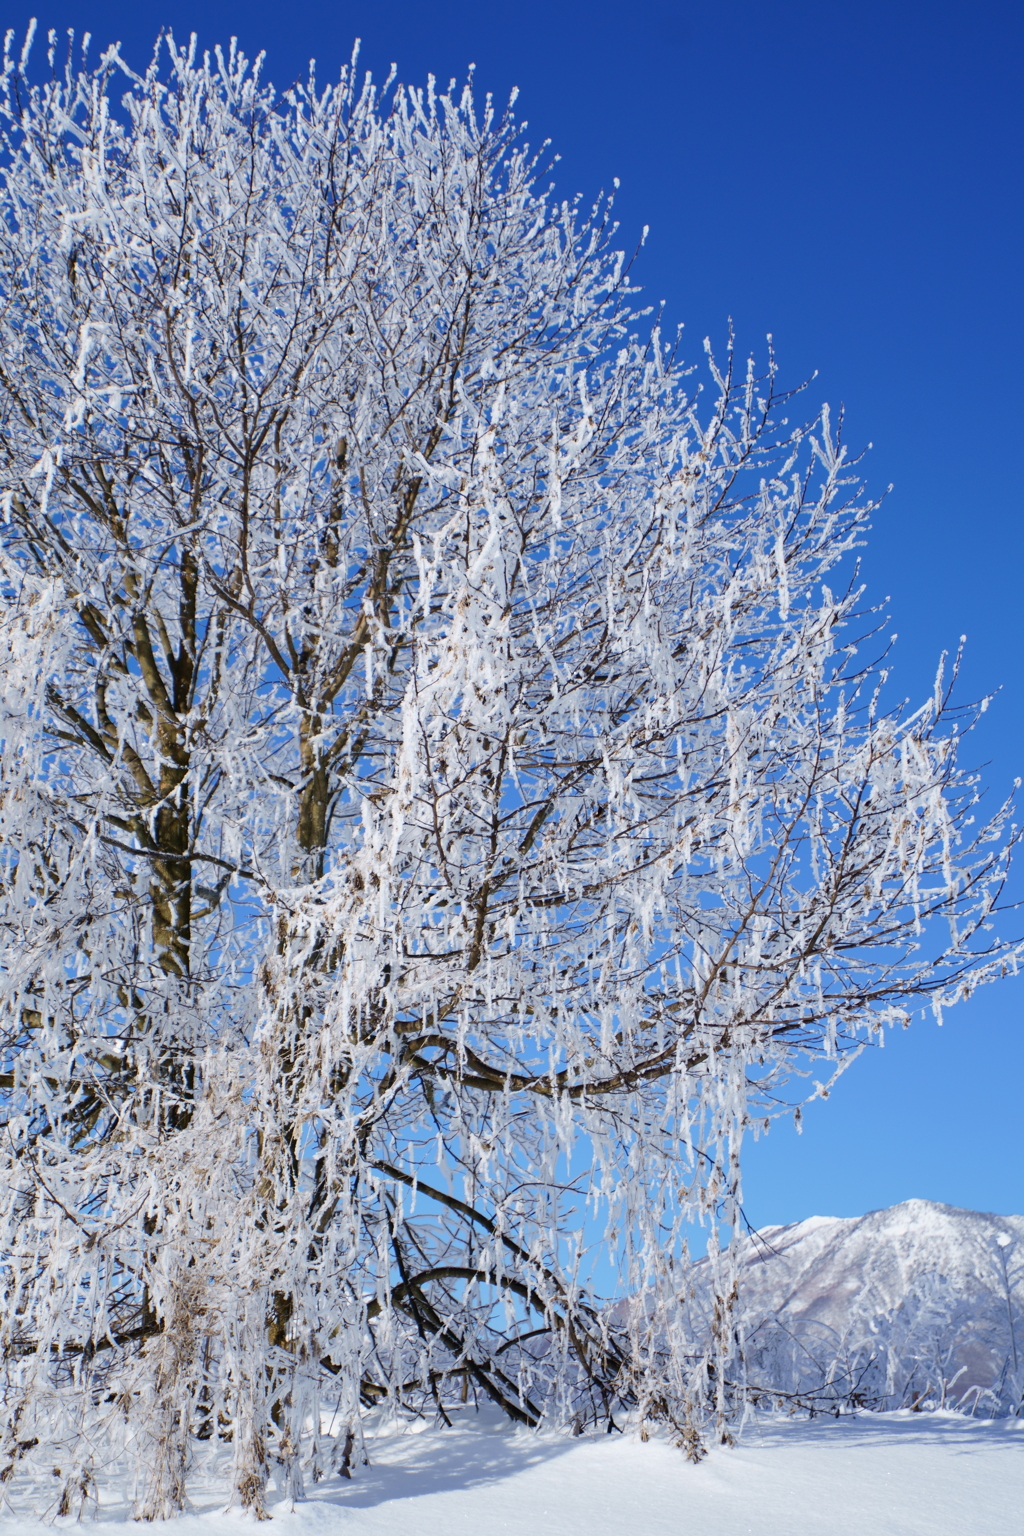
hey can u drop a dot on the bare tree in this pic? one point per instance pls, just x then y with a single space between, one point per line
440 800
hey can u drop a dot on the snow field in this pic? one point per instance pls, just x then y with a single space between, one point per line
898 1474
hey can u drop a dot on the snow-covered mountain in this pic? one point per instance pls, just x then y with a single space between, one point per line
920 1302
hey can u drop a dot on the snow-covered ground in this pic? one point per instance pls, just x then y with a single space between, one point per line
899 1474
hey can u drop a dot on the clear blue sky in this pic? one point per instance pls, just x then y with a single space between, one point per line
847 176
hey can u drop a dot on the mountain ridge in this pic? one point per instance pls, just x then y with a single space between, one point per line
912 1303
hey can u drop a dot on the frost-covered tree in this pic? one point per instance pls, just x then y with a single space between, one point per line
441 803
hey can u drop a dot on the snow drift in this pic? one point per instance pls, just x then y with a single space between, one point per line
901 1474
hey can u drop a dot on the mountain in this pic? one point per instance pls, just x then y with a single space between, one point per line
920 1303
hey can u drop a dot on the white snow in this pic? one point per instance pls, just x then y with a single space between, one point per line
898 1474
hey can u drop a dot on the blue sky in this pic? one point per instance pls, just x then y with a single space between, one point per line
849 178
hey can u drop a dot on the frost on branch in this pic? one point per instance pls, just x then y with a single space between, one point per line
440 803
